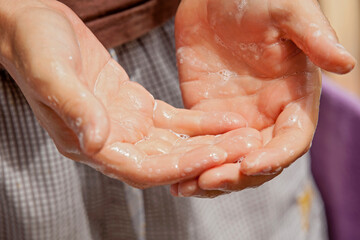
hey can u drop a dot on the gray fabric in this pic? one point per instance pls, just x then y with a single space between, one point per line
43 195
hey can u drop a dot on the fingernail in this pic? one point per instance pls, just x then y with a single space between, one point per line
186 191
180 194
174 190
249 168
332 38
223 186
267 172
343 50
338 45
217 154
253 169
235 119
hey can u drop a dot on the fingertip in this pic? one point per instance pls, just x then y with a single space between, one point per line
342 61
252 132
313 34
207 185
93 139
326 52
249 168
260 163
217 155
82 112
221 122
348 64
94 134
188 188
219 178
239 142
198 160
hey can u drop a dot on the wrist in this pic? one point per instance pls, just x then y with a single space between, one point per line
9 11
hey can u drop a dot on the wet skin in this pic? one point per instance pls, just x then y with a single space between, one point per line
257 59
96 115
246 65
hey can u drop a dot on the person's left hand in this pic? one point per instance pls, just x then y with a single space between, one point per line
253 58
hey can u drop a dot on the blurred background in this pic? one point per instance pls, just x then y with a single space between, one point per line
344 16
335 152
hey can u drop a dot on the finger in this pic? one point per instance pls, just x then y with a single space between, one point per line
195 122
60 88
190 188
248 109
79 109
174 189
184 189
53 75
126 162
205 139
238 143
305 24
228 177
219 85
291 139
154 146
162 141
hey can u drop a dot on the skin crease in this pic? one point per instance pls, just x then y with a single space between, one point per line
255 58
95 115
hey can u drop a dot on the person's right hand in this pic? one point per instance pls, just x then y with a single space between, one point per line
95 115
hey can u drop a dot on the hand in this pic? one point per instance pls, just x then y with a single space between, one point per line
95 115
256 58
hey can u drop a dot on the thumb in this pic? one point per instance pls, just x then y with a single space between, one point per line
305 24
80 110
86 116
46 60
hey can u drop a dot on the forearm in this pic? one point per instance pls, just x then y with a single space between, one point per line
6 10
7 13
10 11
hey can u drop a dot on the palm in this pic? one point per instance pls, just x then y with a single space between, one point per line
233 58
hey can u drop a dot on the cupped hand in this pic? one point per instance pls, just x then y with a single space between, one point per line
256 58
95 115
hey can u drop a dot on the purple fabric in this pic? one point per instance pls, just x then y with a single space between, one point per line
336 162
